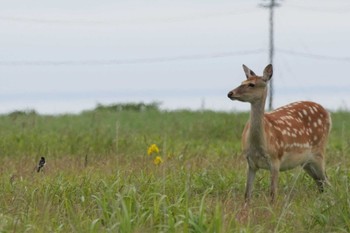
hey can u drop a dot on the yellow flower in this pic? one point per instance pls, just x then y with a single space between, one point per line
152 149
158 160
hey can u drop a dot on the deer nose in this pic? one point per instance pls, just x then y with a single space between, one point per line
229 95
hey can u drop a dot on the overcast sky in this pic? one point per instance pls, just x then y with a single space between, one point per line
66 56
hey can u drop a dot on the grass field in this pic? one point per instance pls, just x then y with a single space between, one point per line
99 177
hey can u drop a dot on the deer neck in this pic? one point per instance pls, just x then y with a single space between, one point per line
256 132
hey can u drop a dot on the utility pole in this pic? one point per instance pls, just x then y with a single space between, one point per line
271 7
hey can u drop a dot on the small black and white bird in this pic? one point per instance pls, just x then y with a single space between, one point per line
41 164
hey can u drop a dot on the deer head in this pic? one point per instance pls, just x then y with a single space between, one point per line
254 88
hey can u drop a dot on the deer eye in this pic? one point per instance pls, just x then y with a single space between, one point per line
251 85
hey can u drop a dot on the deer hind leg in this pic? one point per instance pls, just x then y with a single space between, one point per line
316 169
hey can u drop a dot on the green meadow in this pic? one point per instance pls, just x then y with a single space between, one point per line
99 176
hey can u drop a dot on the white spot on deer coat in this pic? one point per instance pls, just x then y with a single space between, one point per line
311 110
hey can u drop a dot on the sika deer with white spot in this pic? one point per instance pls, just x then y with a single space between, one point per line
290 136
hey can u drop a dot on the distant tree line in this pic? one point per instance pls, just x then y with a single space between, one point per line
137 107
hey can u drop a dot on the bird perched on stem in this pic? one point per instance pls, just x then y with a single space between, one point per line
41 164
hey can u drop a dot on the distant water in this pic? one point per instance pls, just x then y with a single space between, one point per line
75 102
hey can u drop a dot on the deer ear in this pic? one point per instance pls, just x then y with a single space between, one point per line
268 71
249 73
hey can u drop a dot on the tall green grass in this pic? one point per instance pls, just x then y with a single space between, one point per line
99 178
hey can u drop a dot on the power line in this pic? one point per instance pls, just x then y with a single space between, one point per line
343 9
106 62
313 55
131 61
111 22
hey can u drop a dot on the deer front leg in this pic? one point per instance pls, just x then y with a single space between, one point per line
275 169
249 186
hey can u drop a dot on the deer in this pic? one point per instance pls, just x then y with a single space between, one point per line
290 136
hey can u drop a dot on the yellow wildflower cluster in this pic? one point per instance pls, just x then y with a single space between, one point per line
158 160
153 149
